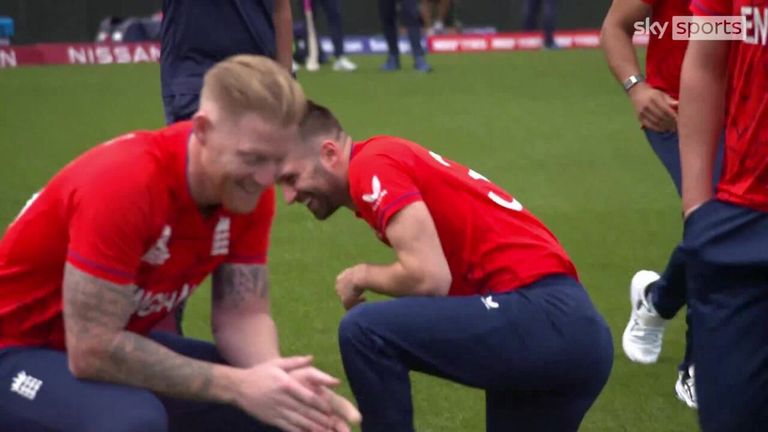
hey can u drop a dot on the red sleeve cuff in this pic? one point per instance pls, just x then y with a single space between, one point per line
247 259
101 271
394 206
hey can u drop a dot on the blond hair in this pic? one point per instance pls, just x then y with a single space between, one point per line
254 84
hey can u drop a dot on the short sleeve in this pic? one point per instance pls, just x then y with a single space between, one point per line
381 186
251 246
711 7
110 224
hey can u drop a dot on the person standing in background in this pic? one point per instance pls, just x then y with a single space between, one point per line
332 11
436 26
531 9
410 14
195 35
655 298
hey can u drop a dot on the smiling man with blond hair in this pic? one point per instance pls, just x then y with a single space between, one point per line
122 235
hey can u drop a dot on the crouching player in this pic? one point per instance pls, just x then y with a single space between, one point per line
486 296
121 236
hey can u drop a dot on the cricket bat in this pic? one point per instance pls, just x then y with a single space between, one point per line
312 44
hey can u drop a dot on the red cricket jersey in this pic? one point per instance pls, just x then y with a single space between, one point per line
664 58
121 212
491 243
744 180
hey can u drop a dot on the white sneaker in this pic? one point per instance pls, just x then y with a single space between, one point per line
685 387
344 64
645 331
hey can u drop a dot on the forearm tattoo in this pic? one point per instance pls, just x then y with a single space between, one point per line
235 284
95 313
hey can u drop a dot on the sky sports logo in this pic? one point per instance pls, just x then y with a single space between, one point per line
750 27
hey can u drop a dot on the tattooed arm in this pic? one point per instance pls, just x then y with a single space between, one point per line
242 325
95 314
99 348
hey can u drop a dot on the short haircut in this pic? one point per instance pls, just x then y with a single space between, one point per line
255 84
319 121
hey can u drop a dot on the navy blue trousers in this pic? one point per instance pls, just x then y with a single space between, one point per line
726 250
410 14
180 107
66 404
332 11
542 354
531 9
669 293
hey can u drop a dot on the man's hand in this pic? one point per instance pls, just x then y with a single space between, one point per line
655 109
347 286
343 411
288 393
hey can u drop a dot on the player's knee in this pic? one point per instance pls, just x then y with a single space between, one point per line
353 328
146 414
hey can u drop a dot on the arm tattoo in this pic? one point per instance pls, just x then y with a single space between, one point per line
235 284
95 314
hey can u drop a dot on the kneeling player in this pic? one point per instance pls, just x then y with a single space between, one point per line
487 297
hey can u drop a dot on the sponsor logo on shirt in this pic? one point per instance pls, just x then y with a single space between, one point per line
26 385
159 253
377 193
220 244
148 302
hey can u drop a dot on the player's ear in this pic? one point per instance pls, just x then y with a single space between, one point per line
201 124
329 152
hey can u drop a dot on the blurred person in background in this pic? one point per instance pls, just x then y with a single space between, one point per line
654 298
332 11
195 35
410 14
531 11
436 25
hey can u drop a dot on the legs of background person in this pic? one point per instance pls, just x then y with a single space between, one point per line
410 14
388 18
548 20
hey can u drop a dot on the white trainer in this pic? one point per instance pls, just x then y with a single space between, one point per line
644 334
685 387
344 64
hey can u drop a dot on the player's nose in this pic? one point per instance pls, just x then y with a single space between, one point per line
289 194
266 176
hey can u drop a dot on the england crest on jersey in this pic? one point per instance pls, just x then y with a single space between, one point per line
158 254
220 245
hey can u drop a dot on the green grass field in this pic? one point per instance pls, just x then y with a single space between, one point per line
550 127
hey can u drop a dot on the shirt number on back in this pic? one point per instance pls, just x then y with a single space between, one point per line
28 204
512 204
